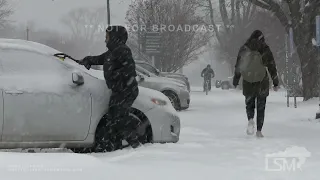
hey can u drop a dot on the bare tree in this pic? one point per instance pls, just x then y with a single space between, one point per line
300 15
175 19
87 26
231 25
86 23
5 12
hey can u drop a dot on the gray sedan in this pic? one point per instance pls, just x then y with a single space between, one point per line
174 76
177 92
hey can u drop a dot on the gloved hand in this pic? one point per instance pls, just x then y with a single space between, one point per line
85 62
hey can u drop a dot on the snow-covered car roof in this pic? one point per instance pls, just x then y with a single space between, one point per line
19 44
27 45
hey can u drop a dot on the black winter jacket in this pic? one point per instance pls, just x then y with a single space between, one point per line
258 88
118 67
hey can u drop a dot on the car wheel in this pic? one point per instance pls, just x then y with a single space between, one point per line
102 133
173 99
102 142
143 126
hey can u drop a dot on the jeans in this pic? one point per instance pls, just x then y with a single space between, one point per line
123 125
251 102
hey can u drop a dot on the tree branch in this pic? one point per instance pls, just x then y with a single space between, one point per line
274 8
5 12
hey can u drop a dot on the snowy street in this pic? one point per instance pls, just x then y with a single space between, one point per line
213 144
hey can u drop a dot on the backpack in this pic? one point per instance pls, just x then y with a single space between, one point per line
251 67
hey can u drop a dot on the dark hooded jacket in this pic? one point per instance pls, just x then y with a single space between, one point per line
257 42
207 73
118 64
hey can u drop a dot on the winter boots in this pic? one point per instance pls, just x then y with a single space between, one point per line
259 134
251 129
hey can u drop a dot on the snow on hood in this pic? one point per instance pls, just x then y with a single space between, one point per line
177 80
167 81
150 93
163 80
173 74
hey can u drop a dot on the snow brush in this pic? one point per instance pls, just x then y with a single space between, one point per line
63 56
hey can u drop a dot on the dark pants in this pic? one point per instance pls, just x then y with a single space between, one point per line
261 105
204 84
123 125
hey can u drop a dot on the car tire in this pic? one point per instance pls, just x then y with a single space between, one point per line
144 129
100 145
173 99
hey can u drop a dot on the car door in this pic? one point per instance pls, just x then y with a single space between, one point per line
41 103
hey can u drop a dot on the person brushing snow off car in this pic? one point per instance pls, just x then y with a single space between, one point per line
254 58
120 75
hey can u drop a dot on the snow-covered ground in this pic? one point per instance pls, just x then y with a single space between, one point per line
213 145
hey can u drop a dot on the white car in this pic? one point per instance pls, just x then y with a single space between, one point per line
177 92
49 103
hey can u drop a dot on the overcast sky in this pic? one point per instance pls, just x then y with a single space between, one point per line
47 13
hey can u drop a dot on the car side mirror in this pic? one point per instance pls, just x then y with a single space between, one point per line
77 78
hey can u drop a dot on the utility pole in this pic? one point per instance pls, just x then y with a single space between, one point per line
318 55
27 33
287 68
108 12
151 38
150 9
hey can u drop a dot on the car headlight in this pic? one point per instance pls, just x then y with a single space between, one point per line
159 102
